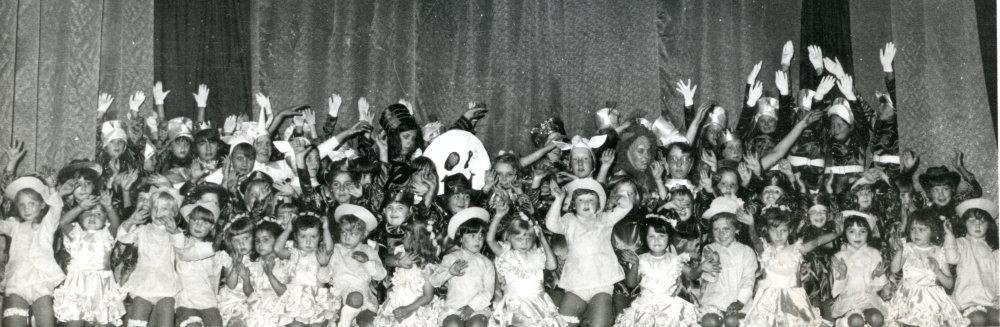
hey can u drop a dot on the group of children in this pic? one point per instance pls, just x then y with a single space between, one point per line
804 214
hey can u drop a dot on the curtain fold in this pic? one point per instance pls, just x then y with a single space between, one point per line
55 58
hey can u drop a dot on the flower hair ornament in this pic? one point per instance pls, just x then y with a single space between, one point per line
339 155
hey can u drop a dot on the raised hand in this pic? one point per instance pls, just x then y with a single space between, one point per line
323 255
363 113
752 77
264 102
744 172
458 268
68 187
687 91
886 55
556 191
15 152
908 160
630 257
359 256
846 86
136 100
785 167
309 117
406 261
781 82
879 269
787 51
825 85
607 158
755 92
815 56
753 162
833 66
708 157
105 198
104 101
201 98
409 105
159 94
657 168
229 126
333 104
475 111
89 202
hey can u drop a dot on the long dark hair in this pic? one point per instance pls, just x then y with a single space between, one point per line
991 225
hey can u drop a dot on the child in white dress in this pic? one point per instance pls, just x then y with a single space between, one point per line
521 262
858 275
199 267
154 282
233 297
90 293
780 299
306 300
919 300
31 273
592 267
976 286
264 304
411 301
469 275
354 265
658 272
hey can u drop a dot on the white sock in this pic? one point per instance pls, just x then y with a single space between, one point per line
347 315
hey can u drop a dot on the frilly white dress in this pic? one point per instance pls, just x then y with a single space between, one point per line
858 290
305 300
406 286
524 302
264 304
658 305
779 299
919 301
90 292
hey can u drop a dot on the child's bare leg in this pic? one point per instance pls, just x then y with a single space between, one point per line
139 311
477 321
453 321
599 310
76 323
211 317
15 311
572 306
366 318
164 312
41 309
874 317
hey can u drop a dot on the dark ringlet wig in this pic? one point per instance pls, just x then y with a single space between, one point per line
306 222
991 224
929 218
210 135
471 226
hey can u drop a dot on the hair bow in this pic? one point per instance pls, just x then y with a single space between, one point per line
339 155
581 142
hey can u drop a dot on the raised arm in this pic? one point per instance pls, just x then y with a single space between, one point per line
538 154
552 218
501 208
781 149
201 100
550 258
280 249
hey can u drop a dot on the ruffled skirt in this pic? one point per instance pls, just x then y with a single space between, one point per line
428 315
527 311
91 296
233 304
659 311
926 306
782 307
307 304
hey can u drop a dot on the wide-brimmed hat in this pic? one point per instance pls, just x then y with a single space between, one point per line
210 206
76 167
723 204
977 203
587 184
357 211
465 215
26 182
939 175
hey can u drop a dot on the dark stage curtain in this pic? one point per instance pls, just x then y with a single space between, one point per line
528 59
55 58
826 23
203 42
987 21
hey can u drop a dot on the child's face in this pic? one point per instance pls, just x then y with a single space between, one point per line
920 234
262 149
864 197
723 231
457 202
93 219
657 242
257 192
778 234
180 147
163 209
341 188
941 195
396 213
626 190
976 227
522 241
682 204
767 124
639 153
857 236
679 163
207 150
29 208
581 163
263 243
733 151
586 204
115 148
506 175
242 243
83 188
818 215
771 194
472 242
728 183
408 141
839 128
352 236
307 239
242 162
554 156
200 228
